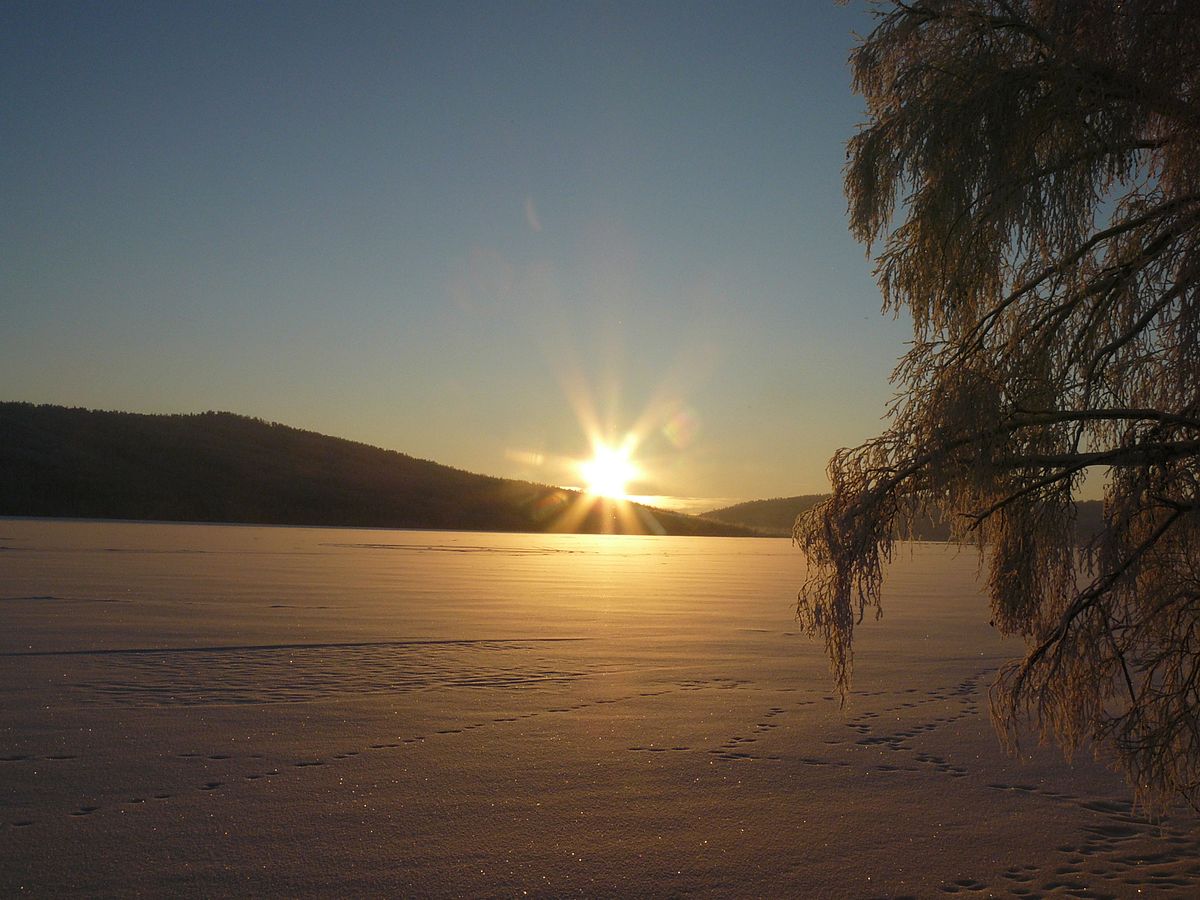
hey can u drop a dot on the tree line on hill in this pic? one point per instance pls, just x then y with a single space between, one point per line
221 467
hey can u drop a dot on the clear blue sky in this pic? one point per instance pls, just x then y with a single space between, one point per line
450 230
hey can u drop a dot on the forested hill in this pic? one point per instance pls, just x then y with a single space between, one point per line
777 515
221 467
773 516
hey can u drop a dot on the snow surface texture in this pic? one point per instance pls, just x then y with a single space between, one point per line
208 710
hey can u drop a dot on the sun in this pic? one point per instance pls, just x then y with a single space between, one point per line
608 472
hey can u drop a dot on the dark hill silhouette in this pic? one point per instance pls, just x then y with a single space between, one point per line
775 517
221 467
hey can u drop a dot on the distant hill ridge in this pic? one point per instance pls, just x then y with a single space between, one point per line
775 516
222 467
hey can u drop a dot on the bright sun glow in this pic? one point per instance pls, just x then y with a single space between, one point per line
608 472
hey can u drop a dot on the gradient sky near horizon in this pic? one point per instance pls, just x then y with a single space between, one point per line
468 232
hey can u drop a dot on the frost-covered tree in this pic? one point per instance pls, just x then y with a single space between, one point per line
1031 169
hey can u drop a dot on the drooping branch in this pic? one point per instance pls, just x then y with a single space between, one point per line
1034 172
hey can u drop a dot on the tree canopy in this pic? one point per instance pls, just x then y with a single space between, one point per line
1030 175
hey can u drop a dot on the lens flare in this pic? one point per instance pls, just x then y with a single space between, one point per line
682 427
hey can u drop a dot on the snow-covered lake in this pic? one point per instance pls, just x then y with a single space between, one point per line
221 710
